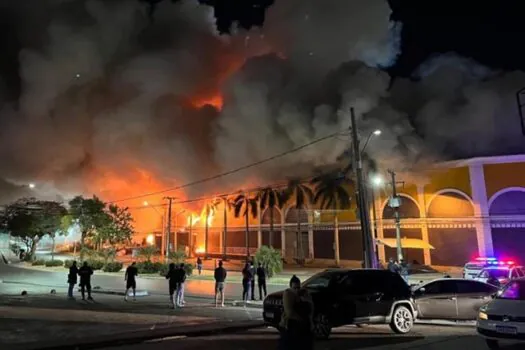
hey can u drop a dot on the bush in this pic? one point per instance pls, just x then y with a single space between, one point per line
114 266
145 267
270 258
178 256
148 252
68 263
188 268
52 263
39 262
95 264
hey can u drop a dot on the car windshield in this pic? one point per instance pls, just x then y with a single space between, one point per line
322 279
513 291
497 273
421 269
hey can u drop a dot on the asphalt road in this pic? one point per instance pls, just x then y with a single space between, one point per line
344 338
51 279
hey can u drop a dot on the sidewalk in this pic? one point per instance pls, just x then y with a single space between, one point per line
51 321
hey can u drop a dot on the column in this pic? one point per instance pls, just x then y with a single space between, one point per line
310 235
424 225
379 229
283 234
481 210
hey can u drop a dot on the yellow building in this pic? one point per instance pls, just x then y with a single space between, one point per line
464 208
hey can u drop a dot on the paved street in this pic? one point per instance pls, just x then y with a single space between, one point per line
15 276
345 338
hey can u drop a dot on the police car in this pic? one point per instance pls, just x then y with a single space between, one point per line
473 268
501 274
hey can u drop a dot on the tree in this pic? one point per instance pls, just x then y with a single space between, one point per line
245 205
90 215
331 193
65 223
270 258
300 194
32 219
270 198
118 228
148 252
209 209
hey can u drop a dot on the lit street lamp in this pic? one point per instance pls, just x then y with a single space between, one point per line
146 204
31 185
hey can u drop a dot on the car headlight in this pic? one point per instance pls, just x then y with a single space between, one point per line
483 316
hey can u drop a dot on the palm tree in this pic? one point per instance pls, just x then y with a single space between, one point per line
209 208
300 194
228 203
243 203
330 193
270 198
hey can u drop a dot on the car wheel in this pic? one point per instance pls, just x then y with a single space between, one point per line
402 320
492 344
322 327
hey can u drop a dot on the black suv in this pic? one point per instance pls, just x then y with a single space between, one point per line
343 297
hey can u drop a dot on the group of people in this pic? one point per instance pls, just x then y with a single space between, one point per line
85 273
400 267
249 272
177 277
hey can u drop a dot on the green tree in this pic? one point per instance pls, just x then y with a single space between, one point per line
300 194
31 219
90 215
178 256
271 199
148 252
118 228
210 207
246 205
331 193
65 223
270 258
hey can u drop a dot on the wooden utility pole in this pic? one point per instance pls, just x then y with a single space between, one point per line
168 228
395 203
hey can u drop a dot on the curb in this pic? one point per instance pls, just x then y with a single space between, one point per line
251 304
143 336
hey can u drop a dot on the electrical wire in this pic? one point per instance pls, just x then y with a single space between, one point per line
230 172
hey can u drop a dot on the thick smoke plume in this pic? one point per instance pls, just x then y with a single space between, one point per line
114 104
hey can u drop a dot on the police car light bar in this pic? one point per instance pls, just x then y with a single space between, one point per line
494 261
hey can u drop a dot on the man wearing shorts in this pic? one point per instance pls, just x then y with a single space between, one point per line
129 277
220 278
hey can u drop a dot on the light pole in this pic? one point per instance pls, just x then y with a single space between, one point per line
175 238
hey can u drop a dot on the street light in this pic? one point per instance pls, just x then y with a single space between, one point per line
146 204
31 185
376 132
376 181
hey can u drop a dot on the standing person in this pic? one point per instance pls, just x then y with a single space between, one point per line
246 283
129 277
392 266
403 270
261 281
180 286
199 264
252 281
220 278
172 276
85 273
72 279
296 321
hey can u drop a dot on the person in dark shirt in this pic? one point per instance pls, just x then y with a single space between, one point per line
85 273
246 283
72 279
261 281
252 281
173 276
220 278
199 265
129 277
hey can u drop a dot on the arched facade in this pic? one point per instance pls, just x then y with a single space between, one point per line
506 207
453 243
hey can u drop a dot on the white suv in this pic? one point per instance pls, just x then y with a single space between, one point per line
504 317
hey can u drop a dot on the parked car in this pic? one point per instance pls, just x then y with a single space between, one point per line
343 297
418 274
500 275
504 317
452 299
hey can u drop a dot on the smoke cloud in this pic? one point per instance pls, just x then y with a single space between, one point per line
114 104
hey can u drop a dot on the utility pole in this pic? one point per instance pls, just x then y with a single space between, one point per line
168 229
364 214
394 203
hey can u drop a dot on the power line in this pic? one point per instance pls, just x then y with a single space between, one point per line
230 172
